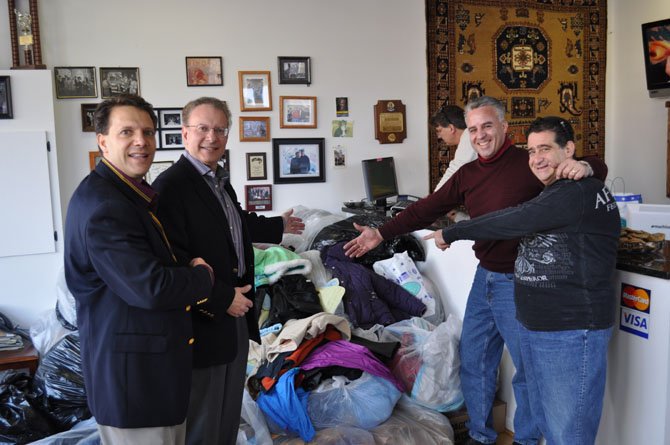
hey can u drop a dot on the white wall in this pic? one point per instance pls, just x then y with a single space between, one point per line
636 126
27 282
365 50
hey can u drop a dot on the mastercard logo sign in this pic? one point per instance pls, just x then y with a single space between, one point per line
635 297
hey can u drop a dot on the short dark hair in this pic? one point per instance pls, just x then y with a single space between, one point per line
449 114
104 110
213 101
560 127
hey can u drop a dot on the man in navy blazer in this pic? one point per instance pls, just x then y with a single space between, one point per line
203 218
133 300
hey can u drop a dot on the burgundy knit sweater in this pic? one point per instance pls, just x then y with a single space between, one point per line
482 186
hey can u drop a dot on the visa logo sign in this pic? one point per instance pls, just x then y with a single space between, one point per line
634 322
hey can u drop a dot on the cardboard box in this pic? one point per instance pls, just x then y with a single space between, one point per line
458 419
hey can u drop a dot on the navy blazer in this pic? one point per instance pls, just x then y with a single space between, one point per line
133 305
197 227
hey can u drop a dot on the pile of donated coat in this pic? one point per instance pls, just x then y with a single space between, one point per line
353 351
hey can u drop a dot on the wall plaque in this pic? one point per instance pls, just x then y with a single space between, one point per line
390 121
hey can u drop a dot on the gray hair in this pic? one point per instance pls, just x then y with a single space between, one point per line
213 101
487 101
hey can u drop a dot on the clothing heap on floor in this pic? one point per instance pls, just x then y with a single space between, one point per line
352 351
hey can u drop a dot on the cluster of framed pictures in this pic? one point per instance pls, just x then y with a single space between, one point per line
75 82
168 131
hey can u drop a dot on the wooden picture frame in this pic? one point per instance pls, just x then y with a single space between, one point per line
171 139
87 121
156 168
297 112
94 158
255 90
115 81
75 82
6 111
254 129
204 71
258 198
294 70
289 165
256 166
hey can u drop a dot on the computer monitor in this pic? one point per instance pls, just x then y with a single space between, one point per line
380 180
656 41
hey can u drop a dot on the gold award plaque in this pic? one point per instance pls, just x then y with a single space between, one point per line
390 122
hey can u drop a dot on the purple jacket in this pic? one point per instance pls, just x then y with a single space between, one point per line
370 298
349 355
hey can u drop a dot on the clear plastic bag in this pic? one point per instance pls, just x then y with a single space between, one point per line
414 424
315 220
340 435
253 428
428 361
364 403
47 331
400 269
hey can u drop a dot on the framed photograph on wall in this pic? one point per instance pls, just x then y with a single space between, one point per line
254 129
156 168
94 158
258 197
74 82
204 71
5 98
295 70
255 91
169 117
171 140
87 112
297 111
256 167
298 160
115 81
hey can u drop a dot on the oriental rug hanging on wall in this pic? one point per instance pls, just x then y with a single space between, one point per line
539 57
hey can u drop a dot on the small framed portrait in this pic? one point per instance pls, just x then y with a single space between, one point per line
87 112
255 91
295 70
204 71
297 111
258 197
156 168
73 82
254 129
224 162
94 158
115 81
6 98
256 167
171 140
342 106
339 156
169 117
298 160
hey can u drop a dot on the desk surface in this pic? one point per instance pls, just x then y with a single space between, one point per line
25 357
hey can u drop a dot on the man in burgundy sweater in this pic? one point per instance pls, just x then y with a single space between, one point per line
498 179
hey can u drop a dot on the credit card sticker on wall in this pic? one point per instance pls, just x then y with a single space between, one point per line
635 310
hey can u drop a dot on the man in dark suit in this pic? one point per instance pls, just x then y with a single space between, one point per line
133 300
201 214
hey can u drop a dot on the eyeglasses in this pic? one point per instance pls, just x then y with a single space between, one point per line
204 130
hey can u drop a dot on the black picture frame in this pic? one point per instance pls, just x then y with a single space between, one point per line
171 139
116 81
295 70
6 111
169 117
87 112
257 166
75 82
204 71
286 167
